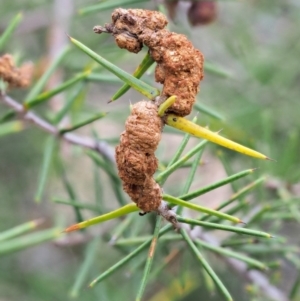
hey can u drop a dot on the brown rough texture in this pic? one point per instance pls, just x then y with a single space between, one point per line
15 77
179 65
135 156
180 70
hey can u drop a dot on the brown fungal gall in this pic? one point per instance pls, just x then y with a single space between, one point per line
179 65
15 77
202 12
135 156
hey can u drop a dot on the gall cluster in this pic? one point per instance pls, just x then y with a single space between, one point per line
15 77
180 69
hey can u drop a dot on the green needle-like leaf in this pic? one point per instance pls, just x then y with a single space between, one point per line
82 123
90 256
163 175
70 101
40 84
201 191
296 286
107 5
129 208
98 190
216 70
166 105
48 94
179 202
192 172
76 204
242 192
268 249
224 227
208 111
9 30
103 78
256 217
8 116
138 73
141 239
149 259
250 261
101 163
114 179
190 178
11 127
127 258
47 159
21 229
135 83
29 240
69 188
237 242
206 266
121 227
176 156
228 168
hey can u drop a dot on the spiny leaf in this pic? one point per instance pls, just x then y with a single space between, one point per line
48 94
201 191
105 217
163 175
224 227
40 84
10 29
250 261
90 254
21 229
135 83
149 259
206 266
29 240
11 127
179 202
128 257
140 70
187 126
82 123
48 154
200 107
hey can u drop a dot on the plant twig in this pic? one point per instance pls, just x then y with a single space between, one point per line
253 276
100 146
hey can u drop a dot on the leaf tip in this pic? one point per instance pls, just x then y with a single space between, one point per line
92 284
71 228
269 159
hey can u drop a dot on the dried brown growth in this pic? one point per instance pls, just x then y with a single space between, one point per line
15 77
180 69
202 12
135 156
179 65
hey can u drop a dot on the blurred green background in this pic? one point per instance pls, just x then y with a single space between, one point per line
252 49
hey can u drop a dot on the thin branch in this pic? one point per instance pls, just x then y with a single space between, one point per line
100 146
241 268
